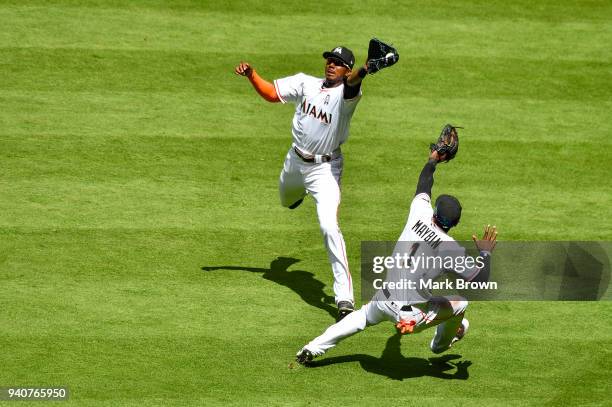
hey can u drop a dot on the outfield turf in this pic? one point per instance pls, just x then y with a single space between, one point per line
133 157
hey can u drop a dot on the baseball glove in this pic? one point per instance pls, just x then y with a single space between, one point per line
380 55
448 142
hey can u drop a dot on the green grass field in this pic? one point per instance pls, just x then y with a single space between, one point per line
132 157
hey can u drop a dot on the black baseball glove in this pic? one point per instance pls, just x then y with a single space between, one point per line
448 142
380 55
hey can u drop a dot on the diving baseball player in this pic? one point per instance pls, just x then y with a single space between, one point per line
413 310
313 165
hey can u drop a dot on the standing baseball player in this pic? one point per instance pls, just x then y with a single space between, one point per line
313 165
426 231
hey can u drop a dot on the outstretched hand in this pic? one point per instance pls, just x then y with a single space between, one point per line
434 155
243 69
488 241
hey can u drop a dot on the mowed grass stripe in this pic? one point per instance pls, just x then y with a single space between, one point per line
548 10
126 184
434 77
132 114
121 184
383 113
190 160
455 33
538 383
128 308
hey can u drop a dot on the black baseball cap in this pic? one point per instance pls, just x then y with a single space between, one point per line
447 211
343 54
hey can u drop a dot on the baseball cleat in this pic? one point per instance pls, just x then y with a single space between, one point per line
304 357
344 308
465 324
296 204
461 331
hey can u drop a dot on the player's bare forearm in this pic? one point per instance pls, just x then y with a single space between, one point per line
265 89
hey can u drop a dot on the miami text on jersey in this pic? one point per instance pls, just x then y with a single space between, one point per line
311 110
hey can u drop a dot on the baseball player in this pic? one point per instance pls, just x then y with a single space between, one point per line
313 165
413 310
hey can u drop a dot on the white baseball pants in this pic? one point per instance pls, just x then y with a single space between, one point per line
446 313
322 181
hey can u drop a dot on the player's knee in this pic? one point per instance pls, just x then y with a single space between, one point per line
459 307
357 319
329 228
361 321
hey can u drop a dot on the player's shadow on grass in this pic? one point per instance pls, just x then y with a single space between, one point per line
397 367
301 282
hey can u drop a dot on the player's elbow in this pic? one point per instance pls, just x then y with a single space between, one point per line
267 91
272 98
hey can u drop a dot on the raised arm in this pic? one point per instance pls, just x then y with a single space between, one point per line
265 89
357 76
426 179
480 270
485 246
380 55
353 82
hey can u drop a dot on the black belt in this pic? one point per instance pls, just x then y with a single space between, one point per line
388 295
325 158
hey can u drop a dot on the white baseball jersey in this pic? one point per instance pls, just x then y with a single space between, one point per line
422 238
322 115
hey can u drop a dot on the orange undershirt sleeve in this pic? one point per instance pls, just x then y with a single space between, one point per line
264 88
